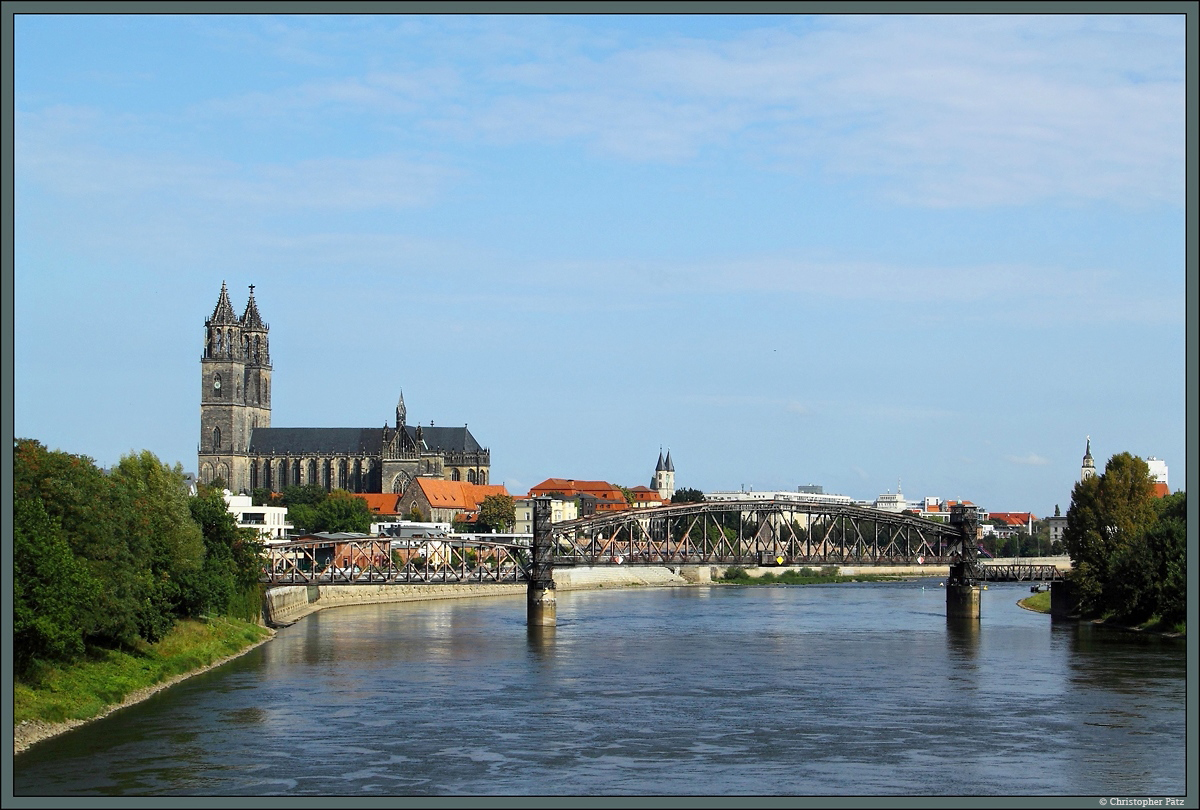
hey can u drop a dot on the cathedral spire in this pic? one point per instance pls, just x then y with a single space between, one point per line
223 314
659 467
250 318
401 412
668 465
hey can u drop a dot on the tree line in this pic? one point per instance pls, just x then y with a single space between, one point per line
1128 547
111 559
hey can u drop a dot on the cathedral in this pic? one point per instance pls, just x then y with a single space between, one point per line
238 444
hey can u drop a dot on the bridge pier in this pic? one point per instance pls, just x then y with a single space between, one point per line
541 600
962 598
962 586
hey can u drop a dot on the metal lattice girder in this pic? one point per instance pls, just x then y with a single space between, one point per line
704 533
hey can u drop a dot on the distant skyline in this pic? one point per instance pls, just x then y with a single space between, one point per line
792 249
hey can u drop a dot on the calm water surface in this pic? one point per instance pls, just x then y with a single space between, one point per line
861 689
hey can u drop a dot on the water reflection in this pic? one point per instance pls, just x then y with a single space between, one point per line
962 637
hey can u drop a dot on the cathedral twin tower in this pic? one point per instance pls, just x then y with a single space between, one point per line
239 446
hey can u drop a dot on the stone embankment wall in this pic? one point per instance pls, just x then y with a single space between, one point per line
286 604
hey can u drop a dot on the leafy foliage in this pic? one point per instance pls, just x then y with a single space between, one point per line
1128 547
114 560
687 495
498 512
52 589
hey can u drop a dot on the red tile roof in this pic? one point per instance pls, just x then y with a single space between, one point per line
1161 490
1013 518
380 503
461 495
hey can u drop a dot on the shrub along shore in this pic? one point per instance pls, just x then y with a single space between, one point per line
60 696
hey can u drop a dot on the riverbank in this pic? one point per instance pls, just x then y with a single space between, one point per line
108 680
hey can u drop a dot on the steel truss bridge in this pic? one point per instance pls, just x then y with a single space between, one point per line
752 532
745 532
382 560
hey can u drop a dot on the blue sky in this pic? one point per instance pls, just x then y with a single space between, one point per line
850 250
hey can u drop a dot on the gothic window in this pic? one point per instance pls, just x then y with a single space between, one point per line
454 476
216 439
253 475
257 390
357 480
283 474
206 473
312 471
342 474
470 476
483 477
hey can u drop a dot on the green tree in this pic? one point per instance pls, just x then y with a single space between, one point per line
341 511
415 514
80 498
52 590
1166 543
229 582
1106 525
310 494
498 512
158 528
687 495
627 494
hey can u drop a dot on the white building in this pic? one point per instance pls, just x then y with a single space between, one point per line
411 529
802 495
270 521
891 503
1158 470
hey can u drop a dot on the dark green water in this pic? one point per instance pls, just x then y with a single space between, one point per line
861 689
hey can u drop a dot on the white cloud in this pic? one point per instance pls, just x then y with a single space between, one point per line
1029 460
939 110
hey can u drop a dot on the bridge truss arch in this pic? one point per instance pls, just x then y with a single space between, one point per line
752 532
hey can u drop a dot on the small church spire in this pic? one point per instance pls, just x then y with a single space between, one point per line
1088 469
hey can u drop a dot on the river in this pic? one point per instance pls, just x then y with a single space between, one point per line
823 690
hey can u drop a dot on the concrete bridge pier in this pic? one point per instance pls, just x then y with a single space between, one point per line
541 601
962 599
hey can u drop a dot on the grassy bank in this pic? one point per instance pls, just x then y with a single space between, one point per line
104 678
1038 601
805 576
